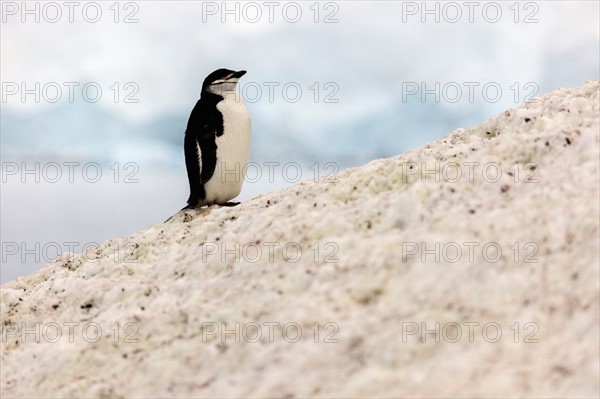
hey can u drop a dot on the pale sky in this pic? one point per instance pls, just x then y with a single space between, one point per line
356 67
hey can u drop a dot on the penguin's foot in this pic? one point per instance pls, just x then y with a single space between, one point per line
230 204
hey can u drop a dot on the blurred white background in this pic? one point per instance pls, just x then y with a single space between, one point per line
329 85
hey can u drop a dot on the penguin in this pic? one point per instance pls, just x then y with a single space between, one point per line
217 141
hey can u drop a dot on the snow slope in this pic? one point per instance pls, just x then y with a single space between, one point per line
403 277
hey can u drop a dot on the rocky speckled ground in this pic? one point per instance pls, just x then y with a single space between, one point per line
490 232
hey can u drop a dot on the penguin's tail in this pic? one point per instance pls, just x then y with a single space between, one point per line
190 205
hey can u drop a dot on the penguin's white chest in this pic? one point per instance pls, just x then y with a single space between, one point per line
233 151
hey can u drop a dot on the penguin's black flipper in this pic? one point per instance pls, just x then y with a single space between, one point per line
200 146
193 169
208 125
208 147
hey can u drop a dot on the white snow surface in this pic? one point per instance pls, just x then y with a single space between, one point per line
333 259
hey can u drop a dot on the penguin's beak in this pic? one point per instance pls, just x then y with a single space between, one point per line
237 74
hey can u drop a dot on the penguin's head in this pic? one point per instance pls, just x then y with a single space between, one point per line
222 81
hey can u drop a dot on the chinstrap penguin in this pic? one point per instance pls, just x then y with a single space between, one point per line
217 141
